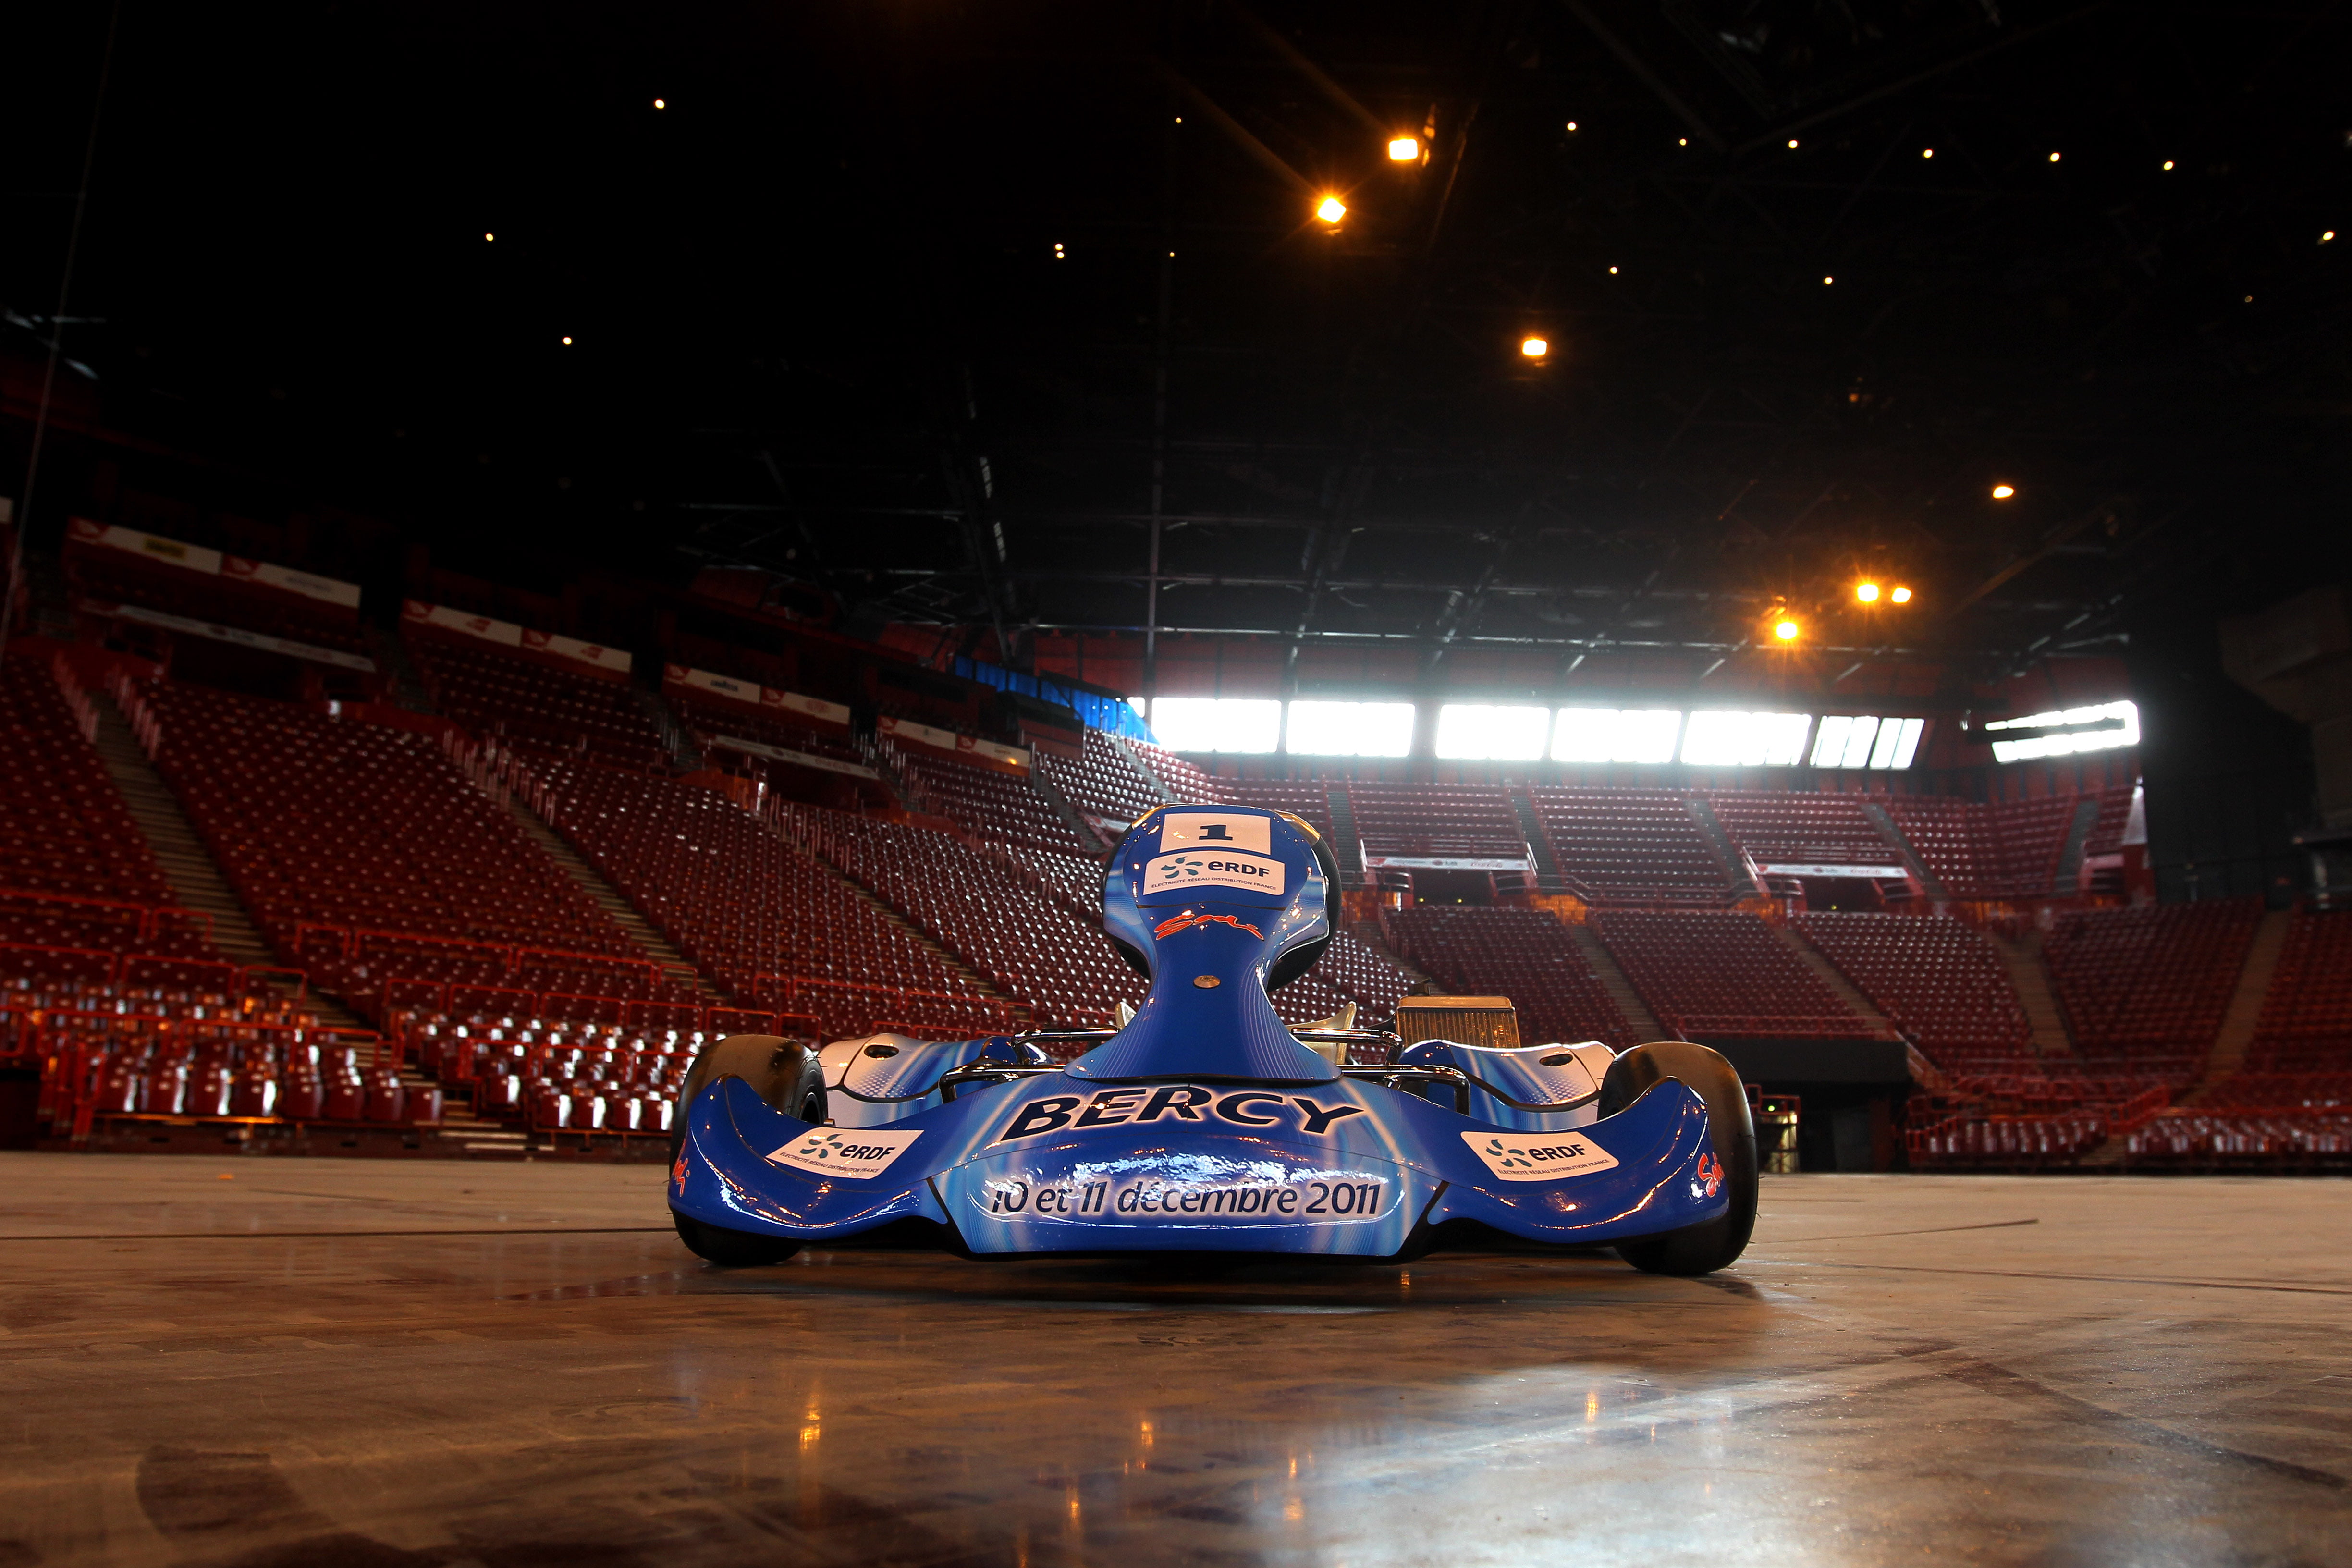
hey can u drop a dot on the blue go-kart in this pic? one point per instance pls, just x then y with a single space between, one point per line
1206 1125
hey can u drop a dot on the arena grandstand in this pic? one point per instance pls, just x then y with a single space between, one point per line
1307 782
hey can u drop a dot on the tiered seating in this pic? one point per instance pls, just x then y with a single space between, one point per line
2199 1139
1940 982
1630 845
81 896
1001 806
2006 850
1362 975
2029 836
119 577
560 1074
2306 1019
1186 782
2115 815
1027 943
63 826
1784 828
1076 879
708 721
767 922
2148 986
361 829
1524 954
1447 821
1310 800
493 692
1104 782
1722 972
131 1051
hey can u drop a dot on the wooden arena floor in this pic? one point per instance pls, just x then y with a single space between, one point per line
290 1362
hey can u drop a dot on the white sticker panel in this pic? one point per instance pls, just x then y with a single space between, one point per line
1539 1156
844 1150
1211 868
1216 830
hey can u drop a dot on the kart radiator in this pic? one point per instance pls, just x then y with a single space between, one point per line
1488 1021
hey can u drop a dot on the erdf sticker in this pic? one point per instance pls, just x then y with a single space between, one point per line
1216 831
844 1150
1192 868
1539 1156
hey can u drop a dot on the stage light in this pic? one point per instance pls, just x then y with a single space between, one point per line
489 237
2002 493
1403 148
661 103
1613 272
1901 595
1571 125
1682 140
1827 281
1926 151
1793 143
2053 157
2326 235
1534 347
1785 630
1059 255
1866 592
2168 165
567 342
1332 209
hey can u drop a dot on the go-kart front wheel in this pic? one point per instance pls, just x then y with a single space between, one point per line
731 1248
1705 1248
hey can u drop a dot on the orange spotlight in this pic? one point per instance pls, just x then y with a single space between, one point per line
1786 630
1901 595
1332 209
1866 592
1403 148
1534 347
2002 493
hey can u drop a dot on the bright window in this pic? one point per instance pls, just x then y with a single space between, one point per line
2099 729
1351 729
1863 741
1616 735
1733 740
1473 730
1217 723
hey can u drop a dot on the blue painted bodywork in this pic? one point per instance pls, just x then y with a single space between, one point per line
1204 1124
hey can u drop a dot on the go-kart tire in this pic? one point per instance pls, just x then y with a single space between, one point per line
1697 1248
731 1248
784 1073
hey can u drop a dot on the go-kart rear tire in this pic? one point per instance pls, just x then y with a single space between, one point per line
731 1248
1697 1248
784 1073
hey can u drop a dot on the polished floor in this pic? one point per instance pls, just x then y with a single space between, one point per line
295 1363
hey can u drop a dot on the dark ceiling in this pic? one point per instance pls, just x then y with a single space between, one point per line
819 322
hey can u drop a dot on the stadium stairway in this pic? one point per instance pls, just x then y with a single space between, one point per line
187 865
2069 855
1547 876
610 899
1612 980
1880 819
1068 810
1815 960
1349 846
1143 767
1743 883
2245 1010
2022 957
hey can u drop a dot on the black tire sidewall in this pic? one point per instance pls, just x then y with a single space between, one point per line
1699 1248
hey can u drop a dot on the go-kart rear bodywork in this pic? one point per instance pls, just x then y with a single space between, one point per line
1205 1125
